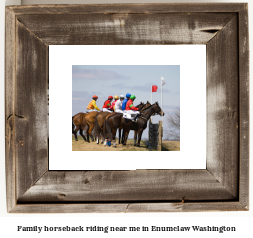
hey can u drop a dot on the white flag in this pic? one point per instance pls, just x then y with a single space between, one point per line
163 82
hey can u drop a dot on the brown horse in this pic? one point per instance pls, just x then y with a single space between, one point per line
82 120
117 120
125 135
141 107
99 124
79 124
90 119
135 132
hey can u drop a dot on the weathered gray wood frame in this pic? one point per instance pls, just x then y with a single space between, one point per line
222 186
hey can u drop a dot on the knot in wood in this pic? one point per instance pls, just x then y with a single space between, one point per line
61 195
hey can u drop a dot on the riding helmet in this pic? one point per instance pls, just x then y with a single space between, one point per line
128 95
116 97
94 97
121 96
110 97
132 97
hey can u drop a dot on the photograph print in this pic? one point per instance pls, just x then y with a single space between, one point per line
125 107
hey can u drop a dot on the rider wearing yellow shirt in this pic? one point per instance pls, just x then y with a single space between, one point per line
92 105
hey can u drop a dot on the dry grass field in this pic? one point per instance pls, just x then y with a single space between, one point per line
81 145
171 145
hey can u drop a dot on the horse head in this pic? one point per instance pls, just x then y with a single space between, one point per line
140 105
158 110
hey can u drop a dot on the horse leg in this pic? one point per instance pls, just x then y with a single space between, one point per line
122 136
97 139
135 137
140 131
125 132
101 135
81 133
75 132
114 131
88 134
91 128
119 135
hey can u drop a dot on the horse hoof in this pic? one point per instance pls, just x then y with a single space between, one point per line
76 140
137 145
134 144
123 144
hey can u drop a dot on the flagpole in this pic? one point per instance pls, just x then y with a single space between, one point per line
151 94
162 95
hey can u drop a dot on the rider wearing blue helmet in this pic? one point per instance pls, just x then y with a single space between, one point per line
128 95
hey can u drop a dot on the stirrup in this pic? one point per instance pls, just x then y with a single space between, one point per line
135 118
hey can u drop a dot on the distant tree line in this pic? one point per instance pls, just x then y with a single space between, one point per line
173 122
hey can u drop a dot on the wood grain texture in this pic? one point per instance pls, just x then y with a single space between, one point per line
222 107
155 8
186 207
140 185
160 136
30 108
9 109
244 106
223 186
129 207
122 29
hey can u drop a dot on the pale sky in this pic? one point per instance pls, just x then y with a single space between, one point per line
106 80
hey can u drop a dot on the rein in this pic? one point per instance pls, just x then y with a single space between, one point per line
143 118
146 112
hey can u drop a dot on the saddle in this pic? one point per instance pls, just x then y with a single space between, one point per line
110 115
128 115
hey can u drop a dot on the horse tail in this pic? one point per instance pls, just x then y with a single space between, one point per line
107 129
73 125
97 128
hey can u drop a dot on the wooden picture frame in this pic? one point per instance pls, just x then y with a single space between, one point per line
222 186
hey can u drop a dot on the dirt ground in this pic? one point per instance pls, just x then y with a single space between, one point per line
81 145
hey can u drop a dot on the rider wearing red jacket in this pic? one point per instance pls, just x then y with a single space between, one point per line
107 104
112 107
130 107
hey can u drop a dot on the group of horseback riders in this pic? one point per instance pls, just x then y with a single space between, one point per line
106 123
120 105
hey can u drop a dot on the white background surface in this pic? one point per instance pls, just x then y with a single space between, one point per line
8 222
192 61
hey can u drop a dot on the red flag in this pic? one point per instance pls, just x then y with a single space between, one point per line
154 88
